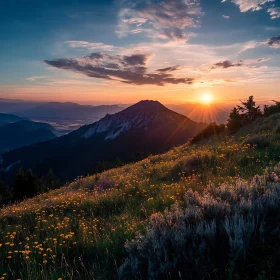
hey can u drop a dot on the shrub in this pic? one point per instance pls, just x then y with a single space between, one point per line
195 163
219 225
277 130
259 141
104 184
272 109
263 128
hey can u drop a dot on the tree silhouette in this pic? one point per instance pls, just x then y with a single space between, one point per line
234 122
5 193
250 111
26 184
272 109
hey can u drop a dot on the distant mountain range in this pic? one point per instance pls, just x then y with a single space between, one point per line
65 117
16 132
146 127
6 119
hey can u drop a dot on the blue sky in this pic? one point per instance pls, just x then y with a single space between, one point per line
171 50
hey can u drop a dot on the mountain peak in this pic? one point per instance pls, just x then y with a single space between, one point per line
148 104
144 107
146 115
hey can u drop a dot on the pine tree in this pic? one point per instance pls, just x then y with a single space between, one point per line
51 180
250 111
234 122
5 193
26 184
19 187
31 183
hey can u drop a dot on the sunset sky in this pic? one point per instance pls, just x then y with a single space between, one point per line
123 51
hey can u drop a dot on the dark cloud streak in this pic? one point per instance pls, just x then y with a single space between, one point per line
126 69
274 42
227 64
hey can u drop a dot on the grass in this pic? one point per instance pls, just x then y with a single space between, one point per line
79 231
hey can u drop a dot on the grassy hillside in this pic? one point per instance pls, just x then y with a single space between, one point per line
80 231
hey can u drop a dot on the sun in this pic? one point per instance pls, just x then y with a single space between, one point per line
206 98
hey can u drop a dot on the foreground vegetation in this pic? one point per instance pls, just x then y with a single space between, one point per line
157 218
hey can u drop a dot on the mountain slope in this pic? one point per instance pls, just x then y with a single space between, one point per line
7 118
24 133
146 127
90 224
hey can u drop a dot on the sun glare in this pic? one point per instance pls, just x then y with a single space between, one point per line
206 98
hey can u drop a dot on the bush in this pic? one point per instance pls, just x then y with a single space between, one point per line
220 225
273 109
259 141
104 184
195 163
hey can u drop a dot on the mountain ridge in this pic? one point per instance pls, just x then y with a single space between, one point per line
22 133
158 128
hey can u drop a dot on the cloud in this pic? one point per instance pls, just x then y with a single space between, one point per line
129 69
169 69
240 63
263 59
90 46
36 78
256 5
250 5
274 42
226 17
274 12
165 19
227 64
136 59
249 45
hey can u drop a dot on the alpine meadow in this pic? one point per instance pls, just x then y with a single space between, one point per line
140 140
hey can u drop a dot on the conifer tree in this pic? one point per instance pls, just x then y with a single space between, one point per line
234 122
250 111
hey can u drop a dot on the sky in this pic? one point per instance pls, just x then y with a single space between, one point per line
123 51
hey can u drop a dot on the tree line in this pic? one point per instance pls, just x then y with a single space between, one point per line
27 184
239 117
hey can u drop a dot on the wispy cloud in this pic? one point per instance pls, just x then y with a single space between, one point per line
227 64
274 12
166 19
169 69
129 69
249 63
91 46
256 5
274 42
36 78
